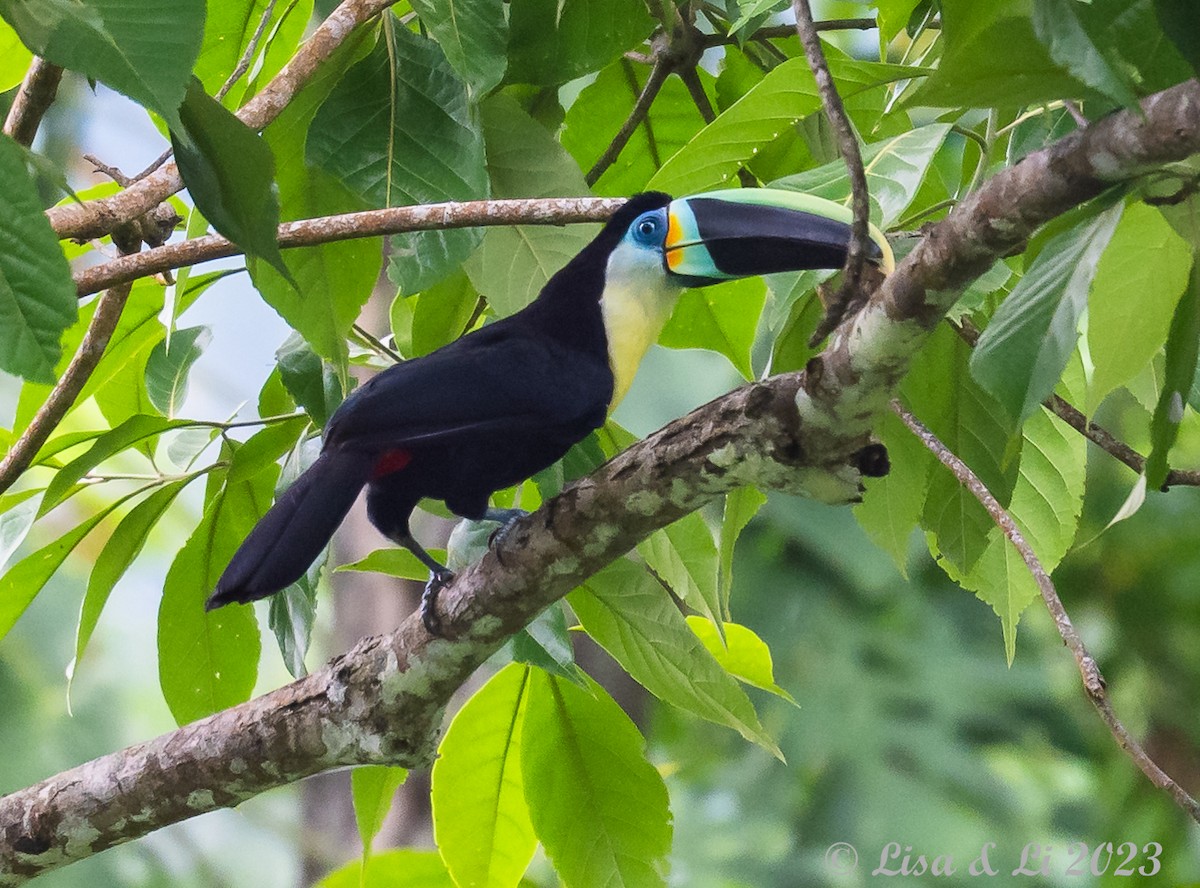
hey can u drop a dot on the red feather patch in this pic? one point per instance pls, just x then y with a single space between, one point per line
391 461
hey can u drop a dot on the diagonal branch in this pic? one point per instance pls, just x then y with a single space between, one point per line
856 257
797 432
32 101
658 76
346 226
66 390
1093 681
96 218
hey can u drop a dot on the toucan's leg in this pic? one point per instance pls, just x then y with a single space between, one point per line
439 576
506 517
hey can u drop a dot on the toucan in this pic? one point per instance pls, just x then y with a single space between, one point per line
509 399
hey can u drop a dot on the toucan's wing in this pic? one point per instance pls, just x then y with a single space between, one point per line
499 379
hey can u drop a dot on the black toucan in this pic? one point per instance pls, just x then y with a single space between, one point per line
508 400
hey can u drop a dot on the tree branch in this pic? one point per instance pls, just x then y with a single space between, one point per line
797 432
66 390
96 218
849 293
32 101
658 76
774 32
346 226
1093 681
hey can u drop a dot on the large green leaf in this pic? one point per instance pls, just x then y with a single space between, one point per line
895 169
1022 353
37 295
25 579
992 57
632 617
373 787
208 661
441 314
786 95
1183 348
1180 22
142 48
230 174
168 367
603 106
398 129
14 57
723 319
392 869
553 41
684 555
474 36
1138 283
480 818
1066 34
598 807
114 559
892 505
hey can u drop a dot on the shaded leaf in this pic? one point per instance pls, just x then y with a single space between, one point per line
18 511
473 34
312 383
1180 22
892 505
480 818
291 614
229 27
1183 348
37 296
553 41
168 367
546 644
741 505
684 556
1065 33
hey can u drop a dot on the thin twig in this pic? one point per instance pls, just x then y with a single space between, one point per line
776 32
1076 113
66 390
243 64
32 100
376 344
658 76
860 201
155 164
370 223
1093 681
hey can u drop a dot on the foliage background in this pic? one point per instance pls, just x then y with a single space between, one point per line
911 727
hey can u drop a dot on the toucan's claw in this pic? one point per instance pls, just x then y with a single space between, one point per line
507 517
429 616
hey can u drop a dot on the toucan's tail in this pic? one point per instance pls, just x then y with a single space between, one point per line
292 534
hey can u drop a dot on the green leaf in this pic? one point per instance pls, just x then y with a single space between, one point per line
942 394
1147 258
142 48
603 106
741 653
373 787
114 559
37 295
894 16
992 58
895 169
1183 348
18 511
398 129
264 448
785 96
228 29
1046 504
473 34
208 661
312 383
480 819
741 505
684 556
392 869
546 644
598 807
133 431
25 579
230 173
754 9
395 563
1022 353
441 314
553 41
168 367
523 159
630 616
291 614
1180 22
344 273
723 318
1065 34
14 58
892 505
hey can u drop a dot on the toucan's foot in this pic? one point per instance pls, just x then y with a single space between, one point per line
429 616
506 517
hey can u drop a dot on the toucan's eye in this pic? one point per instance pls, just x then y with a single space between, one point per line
648 229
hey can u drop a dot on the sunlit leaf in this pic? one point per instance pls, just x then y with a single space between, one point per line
373 787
